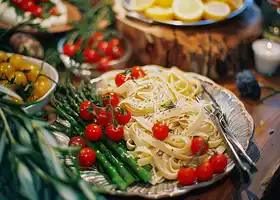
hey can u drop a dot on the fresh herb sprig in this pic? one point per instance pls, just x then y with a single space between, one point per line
29 164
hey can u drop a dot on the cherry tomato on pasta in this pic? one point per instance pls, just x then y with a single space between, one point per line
219 162
160 131
199 144
205 171
114 133
111 98
186 176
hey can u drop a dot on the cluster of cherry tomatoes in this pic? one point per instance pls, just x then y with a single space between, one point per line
99 50
109 116
133 73
16 73
205 171
35 8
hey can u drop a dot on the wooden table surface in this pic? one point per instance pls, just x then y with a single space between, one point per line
265 149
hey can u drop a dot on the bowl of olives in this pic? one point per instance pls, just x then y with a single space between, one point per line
32 79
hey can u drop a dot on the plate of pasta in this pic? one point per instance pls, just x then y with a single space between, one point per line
155 96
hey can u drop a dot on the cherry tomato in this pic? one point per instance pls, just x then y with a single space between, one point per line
104 64
122 116
197 144
16 100
118 52
103 117
204 172
115 42
20 78
28 5
77 141
37 12
41 86
120 79
186 176
86 110
111 98
98 36
91 56
17 61
3 56
32 70
54 11
6 70
114 133
103 48
93 132
160 131
17 2
219 162
8 85
87 157
137 72
69 49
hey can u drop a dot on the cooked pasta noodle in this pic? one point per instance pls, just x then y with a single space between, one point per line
167 96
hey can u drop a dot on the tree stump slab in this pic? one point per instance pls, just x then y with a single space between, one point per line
218 50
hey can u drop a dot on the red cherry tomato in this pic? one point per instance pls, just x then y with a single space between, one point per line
77 141
104 64
186 176
87 157
118 52
219 163
114 133
197 144
86 110
54 11
122 116
93 132
103 48
204 172
17 2
69 49
98 36
115 42
137 72
111 98
28 5
91 56
160 131
37 12
103 117
120 79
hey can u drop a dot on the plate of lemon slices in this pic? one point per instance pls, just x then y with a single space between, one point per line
184 12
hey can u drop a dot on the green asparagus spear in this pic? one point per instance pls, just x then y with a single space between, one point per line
109 169
128 159
116 163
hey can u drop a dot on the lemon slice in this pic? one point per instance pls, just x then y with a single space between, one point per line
164 3
159 13
140 5
235 4
216 10
188 10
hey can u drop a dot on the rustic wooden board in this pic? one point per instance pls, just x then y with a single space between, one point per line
214 51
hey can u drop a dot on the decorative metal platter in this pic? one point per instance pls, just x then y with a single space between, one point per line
240 123
143 18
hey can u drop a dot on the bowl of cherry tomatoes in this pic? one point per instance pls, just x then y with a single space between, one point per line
95 54
32 79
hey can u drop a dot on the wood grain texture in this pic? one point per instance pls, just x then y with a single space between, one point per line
214 51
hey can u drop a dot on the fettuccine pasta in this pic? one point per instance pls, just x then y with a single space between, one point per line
167 96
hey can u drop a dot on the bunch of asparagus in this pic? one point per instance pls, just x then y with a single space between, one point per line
112 157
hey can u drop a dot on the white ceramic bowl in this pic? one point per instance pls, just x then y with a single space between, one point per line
51 72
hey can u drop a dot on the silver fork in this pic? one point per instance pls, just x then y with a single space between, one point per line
219 118
224 124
